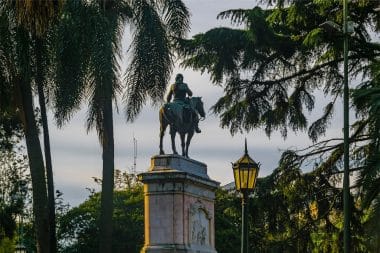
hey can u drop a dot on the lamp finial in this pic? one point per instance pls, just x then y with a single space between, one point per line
246 150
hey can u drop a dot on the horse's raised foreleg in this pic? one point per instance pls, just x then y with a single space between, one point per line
183 144
188 140
172 135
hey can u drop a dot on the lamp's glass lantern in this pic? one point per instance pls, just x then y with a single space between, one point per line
245 172
20 248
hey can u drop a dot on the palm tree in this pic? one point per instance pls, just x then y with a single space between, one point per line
41 78
94 71
36 18
16 73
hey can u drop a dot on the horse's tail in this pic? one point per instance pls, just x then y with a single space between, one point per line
164 120
161 114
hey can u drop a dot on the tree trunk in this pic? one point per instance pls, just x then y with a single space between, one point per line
48 163
37 170
106 211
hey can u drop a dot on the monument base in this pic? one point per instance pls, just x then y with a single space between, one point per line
174 248
179 206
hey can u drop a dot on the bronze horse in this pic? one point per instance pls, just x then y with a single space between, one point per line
183 124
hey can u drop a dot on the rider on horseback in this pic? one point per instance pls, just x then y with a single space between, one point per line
180 90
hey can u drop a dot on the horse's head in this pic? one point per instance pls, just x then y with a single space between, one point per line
198 105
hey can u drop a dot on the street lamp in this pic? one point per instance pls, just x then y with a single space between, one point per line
346 31
245 174
20 248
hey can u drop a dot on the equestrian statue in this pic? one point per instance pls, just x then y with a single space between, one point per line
182 115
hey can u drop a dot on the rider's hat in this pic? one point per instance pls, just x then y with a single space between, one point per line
178 76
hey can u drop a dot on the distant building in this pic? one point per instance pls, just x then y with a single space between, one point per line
228 187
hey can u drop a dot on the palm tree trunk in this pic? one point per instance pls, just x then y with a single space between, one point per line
37 170
48 163
106 211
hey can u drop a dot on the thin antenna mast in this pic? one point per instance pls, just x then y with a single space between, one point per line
134 154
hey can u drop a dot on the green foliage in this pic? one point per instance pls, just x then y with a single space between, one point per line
227 222
272 66
93 53
366 98
7 246
78 229
10 126
313 38
14 189
289 212
277 60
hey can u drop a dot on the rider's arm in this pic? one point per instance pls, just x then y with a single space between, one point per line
189 92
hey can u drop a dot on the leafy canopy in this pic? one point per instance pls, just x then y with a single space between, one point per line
275 65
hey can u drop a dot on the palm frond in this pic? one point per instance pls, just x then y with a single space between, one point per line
103 69
70 47
237 16
10 97
151 63
6 53
36 15
177 17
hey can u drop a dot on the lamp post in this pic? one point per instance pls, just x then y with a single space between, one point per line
20 248
346 175
347 30
245 173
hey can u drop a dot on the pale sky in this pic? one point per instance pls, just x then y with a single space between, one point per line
77 155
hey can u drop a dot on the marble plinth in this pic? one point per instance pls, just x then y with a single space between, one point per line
179 206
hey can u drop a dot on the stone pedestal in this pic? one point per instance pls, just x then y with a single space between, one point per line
179 206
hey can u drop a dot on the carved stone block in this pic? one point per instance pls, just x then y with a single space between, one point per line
179 206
